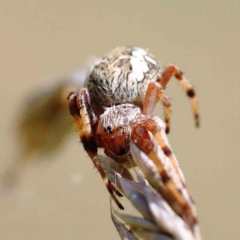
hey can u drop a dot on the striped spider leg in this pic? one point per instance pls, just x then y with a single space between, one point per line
155 92
149 138
82 111
172 70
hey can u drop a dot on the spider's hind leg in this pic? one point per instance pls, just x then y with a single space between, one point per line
170 71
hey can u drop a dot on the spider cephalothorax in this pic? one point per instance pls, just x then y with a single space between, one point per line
114 129
114 111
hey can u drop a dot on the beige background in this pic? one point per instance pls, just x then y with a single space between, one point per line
48 38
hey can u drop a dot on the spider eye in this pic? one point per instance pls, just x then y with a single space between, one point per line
108 130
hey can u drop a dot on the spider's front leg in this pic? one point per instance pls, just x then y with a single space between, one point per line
147 136
81 109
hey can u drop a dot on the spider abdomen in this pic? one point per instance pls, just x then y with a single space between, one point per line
122 76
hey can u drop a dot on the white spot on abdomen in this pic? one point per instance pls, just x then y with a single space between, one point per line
139 67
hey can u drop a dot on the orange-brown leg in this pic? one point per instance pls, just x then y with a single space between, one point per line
174 71
151 126
169 171
84 117
154 93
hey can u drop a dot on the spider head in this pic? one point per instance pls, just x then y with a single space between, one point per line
114 128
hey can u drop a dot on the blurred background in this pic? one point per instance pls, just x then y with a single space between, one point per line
63 197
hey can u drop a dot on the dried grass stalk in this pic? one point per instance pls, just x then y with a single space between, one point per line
156 219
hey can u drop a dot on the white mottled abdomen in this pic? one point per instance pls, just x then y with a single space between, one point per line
123 76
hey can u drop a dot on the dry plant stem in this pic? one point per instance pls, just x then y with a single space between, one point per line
157 220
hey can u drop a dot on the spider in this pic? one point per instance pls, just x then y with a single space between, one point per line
114 110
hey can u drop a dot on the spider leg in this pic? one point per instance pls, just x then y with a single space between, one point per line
174 71
168 169
161 137
155 92
82 112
